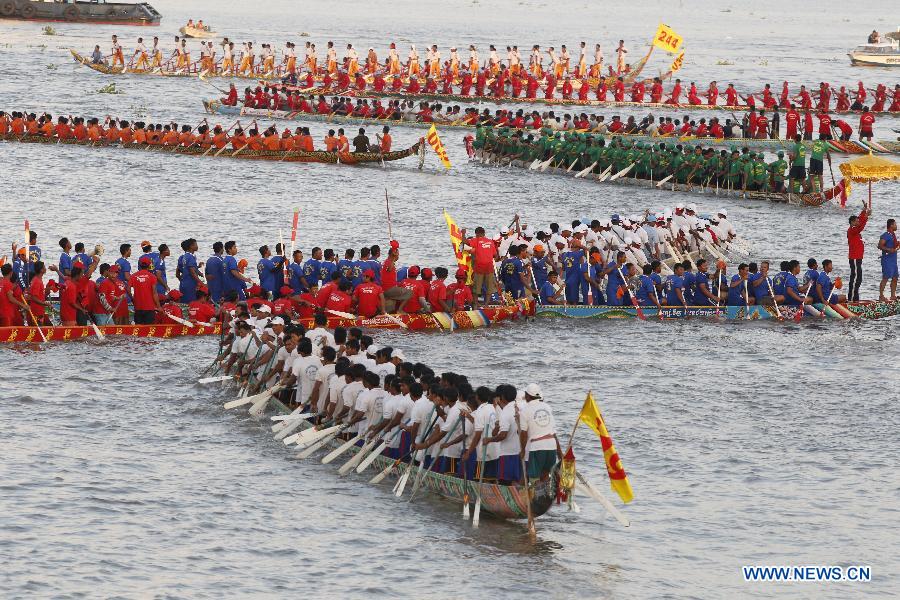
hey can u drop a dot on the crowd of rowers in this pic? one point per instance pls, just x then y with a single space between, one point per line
758 125
510 77
689 164
203 136
516 263
340 377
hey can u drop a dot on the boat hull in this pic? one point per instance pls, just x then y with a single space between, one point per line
503 501
697 189
113 13
347 158
861 59
193 32
856 310
215 107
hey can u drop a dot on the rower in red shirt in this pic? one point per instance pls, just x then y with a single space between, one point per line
232 97
516 85
791 120
656 91
712 94
602 90
619 90
143 293
459 294
843 100
824 126
567 89
466 84
170 308
675 96
437 292
10 306
550 87
731 95
378 83
637 91
415 303
866 123
845 129
762 126
784 99
807 125
37 295
532 86
430 86
339 299
413 87
693 98
368 297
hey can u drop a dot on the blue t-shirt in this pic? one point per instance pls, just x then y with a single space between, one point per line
188 286
736 296
231 282
267 269
20 273
759 285
34 255
311 271
124 268
673 284
646 293
889 242
547 292
811 276
791 283
512 272
298 282
376 268
356 271
65 264
345 266
825 281
690 288
402 273
326 268
279 261
215 276
701 299
84 259
160 275
613 282
539 270
570 263
778 283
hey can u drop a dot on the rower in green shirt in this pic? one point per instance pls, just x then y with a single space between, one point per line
776 173
817 154
798 163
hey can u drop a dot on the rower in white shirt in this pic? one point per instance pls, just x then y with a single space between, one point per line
725 224
505 437
474 63
319 335
324 377
383 365
304 371
538 434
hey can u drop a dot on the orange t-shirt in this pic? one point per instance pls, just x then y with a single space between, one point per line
287 143
306 143
112 134
170 138
47 129
255 142
126 135
186 138
238 141
95 133
331 143
4 126
140 136
80 132
220 140
18 126
63 131
31 126
271 142
386 142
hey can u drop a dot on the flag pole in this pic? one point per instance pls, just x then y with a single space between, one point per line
387 204
577 422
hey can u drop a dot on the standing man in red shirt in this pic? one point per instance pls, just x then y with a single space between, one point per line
866 122
393 293
70 309
9 304
484 252
855 248
791 120
37 296
143 293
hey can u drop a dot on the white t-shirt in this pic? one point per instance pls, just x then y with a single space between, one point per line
287 357
349 395
404 406
319 337
305 369
244 347
383 370
453 423
485 417
361 359
509 446
537 420
336 385
371 404
324 376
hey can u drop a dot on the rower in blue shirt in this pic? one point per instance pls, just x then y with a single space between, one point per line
187 272
811 275
124 263
267 270
162 286
82 257
296 271
279 259
646 293
690 284
888 245
822 292
65 260
572 273
327 266
778 280
593 274
346 264
311 267
234 280
793 295
738 289
215 273
361 266
539 266
674 287
703 295
548 293
34 253
615 282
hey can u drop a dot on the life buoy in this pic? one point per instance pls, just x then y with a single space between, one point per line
28 11
71 13
7 8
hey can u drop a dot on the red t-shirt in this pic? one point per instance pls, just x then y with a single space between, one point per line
110 293
7 308
338 300
437 291
484 250
388 275
461 294
201 311
413 304
120 305
170 308
854 237
324 293
68 296
866 121
282 306
143 290
367 296
304 311
37 292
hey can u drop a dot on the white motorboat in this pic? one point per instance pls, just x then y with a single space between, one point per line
883 53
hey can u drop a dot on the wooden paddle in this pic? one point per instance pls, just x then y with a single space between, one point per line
341 449
476 517
596 495
772 293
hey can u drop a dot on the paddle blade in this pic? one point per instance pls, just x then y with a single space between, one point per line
476 518
309 451
401 483
340 450
378 478
799 315
214 379
371 457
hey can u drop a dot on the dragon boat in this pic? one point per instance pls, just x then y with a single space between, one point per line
502 501
437 321
807 199
293 156
216 107
439 97
868 310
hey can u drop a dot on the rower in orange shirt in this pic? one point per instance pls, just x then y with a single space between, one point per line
63 131
220 138
306 141
203 139
94 132
186 138
17 125
287 142
4 123
255 141
47 129
112 133
343 143
331 142
31 125
125 133
140 134
271 141
384 140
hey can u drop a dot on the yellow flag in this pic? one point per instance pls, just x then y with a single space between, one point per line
463 258
438 146
618 480
676 64
667 39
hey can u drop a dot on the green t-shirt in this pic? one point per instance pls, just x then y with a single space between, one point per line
799 152
818 149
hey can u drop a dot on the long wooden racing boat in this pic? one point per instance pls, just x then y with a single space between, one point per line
60 333
439 97
215 107
869 310
810 199
292 156
503 501
194 71
437 321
